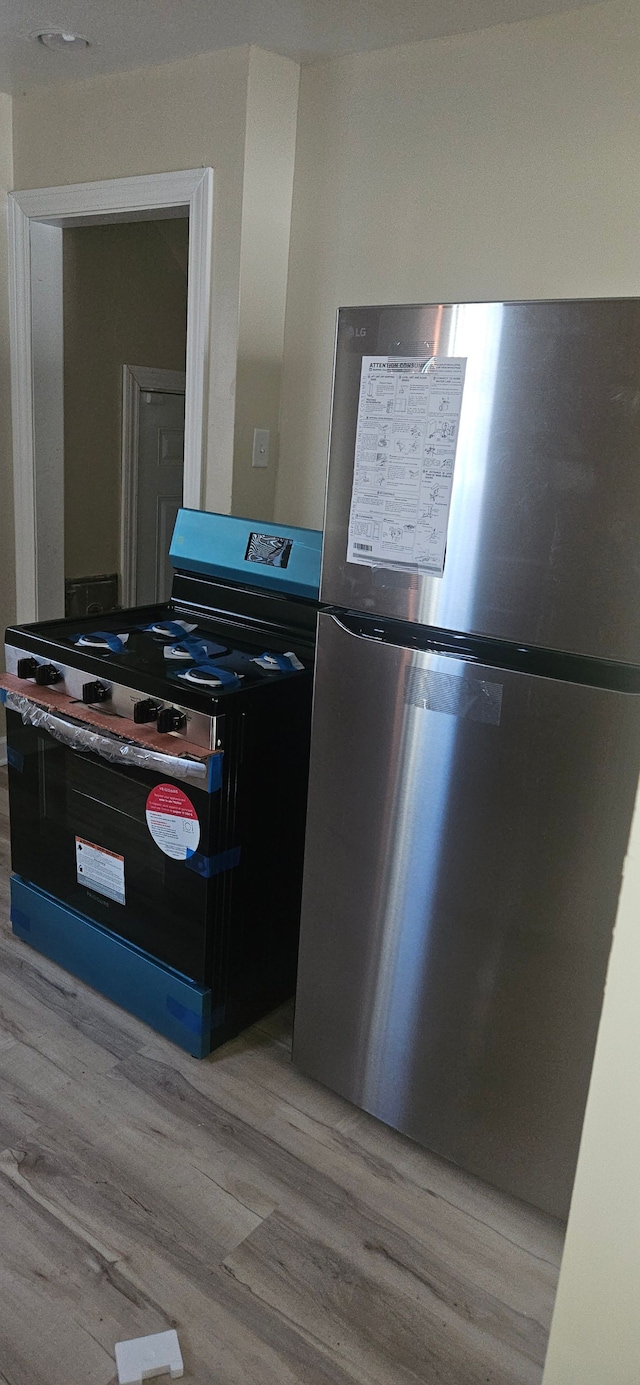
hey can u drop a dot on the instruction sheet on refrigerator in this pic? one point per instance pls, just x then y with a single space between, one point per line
406 440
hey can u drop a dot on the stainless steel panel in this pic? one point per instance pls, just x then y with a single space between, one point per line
543 532
465 840
200 728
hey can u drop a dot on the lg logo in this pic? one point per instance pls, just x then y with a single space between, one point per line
356 331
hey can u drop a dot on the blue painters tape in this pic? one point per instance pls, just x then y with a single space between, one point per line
214 773
169 629
20 920
3 694
15 759
211 670
225 546
213 865
113 642
197 649
186 1017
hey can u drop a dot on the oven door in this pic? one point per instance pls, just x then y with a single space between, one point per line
125 845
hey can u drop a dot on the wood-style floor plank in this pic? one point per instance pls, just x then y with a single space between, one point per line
291 1239
61 1301
386 1319
306 1168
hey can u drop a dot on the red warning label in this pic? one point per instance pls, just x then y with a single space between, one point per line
173 822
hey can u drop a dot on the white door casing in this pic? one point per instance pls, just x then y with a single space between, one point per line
153 403
36 221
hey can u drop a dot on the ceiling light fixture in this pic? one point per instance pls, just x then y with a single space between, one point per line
61 40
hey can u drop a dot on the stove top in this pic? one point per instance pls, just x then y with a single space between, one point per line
175 649
218 643
178 669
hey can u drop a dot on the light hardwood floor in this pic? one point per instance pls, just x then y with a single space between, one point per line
289 1238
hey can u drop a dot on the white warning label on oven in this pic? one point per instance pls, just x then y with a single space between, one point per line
100 870
406 440
173 822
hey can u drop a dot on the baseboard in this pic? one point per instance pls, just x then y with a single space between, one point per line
3 750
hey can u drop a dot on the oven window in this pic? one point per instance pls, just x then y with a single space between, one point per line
59 795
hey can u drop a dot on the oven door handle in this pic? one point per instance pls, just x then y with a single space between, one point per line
86 739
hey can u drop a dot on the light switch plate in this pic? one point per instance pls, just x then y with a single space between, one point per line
260 447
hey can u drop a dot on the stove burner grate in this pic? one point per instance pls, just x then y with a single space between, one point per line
210 676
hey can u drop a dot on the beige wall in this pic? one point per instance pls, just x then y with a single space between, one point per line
125 303
270 148
497 164
236 111
182 115
595 1334
7 578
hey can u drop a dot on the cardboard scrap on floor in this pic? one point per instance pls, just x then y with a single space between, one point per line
142 1358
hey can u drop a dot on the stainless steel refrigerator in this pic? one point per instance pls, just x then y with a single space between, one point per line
476 726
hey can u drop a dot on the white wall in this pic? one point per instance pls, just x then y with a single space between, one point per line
270 148
182 115
595 1334
496 164
7 562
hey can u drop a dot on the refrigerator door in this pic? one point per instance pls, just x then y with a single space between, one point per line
541 543
466 834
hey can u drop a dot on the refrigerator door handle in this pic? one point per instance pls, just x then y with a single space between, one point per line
352 625
372 631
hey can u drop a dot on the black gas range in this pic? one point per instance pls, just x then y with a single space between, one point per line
157 775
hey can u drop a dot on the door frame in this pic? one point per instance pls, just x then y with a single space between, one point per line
135 380
37 219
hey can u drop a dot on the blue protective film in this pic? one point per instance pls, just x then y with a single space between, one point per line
257 553
194 649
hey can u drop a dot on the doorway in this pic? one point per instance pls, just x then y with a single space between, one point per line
37 219
125 300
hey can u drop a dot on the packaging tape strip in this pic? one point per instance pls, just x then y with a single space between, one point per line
273 662
224 676
84 738
115 643
170 629
193 649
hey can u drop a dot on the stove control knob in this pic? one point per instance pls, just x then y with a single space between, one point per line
95 692
145 711
27 668
170 719
46 674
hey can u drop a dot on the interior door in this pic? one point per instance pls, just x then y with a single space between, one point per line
159 490
465 839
